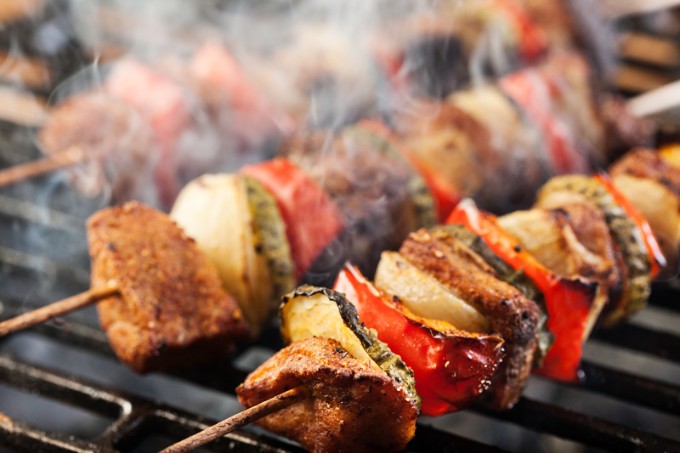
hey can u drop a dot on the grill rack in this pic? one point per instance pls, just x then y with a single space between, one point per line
135 418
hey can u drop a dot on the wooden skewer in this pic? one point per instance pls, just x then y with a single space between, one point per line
239 420
56 309
39 167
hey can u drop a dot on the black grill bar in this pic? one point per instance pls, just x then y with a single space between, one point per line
568 424
531 414
134 416
635 389
659 344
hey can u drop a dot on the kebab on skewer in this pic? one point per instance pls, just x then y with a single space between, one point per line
466 320
159 297
154 128
518 331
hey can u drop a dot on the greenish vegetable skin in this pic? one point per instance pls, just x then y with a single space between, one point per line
509 275
346 320
270 231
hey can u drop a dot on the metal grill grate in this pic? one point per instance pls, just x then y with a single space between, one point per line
42 258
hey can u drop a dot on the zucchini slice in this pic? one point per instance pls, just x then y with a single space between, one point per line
584 188
311 311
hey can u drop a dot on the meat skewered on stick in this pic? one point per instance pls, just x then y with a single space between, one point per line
160 299
351 393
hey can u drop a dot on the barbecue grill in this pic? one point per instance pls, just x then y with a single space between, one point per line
61 388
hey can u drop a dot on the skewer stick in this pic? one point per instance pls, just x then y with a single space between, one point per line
239 420
39 167
56 309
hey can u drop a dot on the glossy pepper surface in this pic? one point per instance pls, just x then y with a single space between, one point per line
567 301
452 367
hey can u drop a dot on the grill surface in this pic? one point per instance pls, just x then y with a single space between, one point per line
628 400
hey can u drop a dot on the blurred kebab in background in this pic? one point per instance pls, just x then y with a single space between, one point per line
169 123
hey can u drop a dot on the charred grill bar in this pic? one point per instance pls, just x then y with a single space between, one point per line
135 423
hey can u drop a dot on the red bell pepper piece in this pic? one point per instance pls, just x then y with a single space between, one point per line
446 196
568 302
452 367
532 92
532 40
312 218
654 253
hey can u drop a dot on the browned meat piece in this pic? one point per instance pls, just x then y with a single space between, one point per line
513 316
369 185
171 310
116 141
351 407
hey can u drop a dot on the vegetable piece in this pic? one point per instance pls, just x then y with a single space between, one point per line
312 219
311 311
451 367
351 406
573 242
654 254
661 207
532 40
425 296
624 230
568 301
236 223
532 91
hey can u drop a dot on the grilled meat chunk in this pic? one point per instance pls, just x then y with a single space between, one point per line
513 316
352 406
171 310
119 142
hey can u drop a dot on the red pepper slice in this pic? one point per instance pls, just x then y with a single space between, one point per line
451 367
567 301
312 218
531 91
446 196
532 40
654 253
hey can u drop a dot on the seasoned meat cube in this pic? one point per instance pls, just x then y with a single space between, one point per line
352 406
170 310
512 315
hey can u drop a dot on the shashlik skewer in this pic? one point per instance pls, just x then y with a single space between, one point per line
446 254
210 64
159 298
437 254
